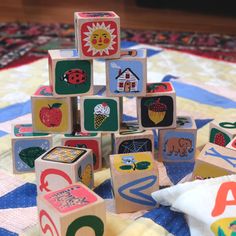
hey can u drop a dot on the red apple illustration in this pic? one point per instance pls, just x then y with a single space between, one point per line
51 116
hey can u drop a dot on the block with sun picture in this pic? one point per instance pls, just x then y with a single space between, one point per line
127 75
221 133
61 166
158 108
99 114
97 34
69 75
53 114
86 140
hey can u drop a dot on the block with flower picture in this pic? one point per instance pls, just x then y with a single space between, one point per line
134 178
158 108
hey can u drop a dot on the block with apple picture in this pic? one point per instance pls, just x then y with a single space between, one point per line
53 115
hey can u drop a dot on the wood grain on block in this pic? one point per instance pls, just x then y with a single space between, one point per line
179 144
134 178
97 34
73 210
69 75
214 161
127 76
27 146
158 108
61 166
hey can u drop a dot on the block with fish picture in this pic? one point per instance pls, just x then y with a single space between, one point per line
127 75
97 34
61 166
69 74
100 114
86 140
53 114
27 146
158 108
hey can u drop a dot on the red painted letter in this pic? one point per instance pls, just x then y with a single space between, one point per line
221 198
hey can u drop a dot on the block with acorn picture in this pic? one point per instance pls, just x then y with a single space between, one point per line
214 161
127 75
99 114
158 108
70 75
130 139
27 146
86 140
232 144
179 144
61 166
72 210
221 133
53 114
97 34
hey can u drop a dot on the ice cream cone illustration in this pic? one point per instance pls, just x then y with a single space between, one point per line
101 113
156 111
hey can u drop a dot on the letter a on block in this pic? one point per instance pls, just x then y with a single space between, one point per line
221 198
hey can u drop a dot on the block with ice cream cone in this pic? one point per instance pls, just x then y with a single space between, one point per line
158 108
100 114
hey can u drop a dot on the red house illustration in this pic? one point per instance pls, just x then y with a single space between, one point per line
127 81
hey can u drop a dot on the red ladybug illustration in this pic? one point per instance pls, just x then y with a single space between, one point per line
74 76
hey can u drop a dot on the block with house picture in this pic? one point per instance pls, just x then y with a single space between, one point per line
127 76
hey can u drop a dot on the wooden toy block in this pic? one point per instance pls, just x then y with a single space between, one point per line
86 140
73 210
131 139
232 144
214 161
27 147
70 75
99 114
97 34
221 133
53 114
158 108
61 166
134 178
127 76
179 144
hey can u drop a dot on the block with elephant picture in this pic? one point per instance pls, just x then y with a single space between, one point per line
179 144
158 108
222 132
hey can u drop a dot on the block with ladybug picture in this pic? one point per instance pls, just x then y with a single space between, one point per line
127 75
61 166
97 34
69 75
86 140
99 114
53 114
158 108
222 132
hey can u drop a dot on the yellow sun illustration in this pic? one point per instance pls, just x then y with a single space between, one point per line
100 38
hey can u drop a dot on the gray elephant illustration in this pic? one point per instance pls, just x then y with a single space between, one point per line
181 146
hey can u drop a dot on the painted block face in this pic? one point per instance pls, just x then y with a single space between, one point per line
178 145
215 161
158 108
134 178
127 76
97 34
53 115
86 140
81 211
99 114
27 147
221 133
70 76
232 144
61 166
